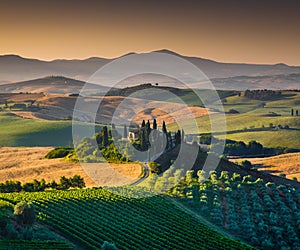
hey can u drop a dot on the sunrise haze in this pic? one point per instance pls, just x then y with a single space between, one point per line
225 31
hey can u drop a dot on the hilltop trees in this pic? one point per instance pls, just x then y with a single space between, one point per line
294 112
262 94
240 148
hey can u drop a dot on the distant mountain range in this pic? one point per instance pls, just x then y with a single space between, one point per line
14 68
53 85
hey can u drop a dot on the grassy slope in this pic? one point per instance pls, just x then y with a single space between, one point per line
251 116
16 131
288 164
283 138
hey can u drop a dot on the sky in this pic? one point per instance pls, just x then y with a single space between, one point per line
242 31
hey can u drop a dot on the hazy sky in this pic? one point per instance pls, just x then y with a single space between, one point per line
257 31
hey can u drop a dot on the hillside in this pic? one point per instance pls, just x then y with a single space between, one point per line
16 131
51 84
26 164
83 69
286 81
44 106
255 120
88 217
287 164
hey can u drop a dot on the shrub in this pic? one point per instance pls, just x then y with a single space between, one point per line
233 111
108 246
59 152
24 213
246 164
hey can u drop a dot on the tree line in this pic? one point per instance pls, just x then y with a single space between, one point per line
294 112
65 183
262 94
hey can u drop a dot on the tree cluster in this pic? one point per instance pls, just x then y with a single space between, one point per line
240 148
262 94
294 112
17 223
37 186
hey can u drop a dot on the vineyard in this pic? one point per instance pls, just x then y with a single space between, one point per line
33 245
88 217
265 215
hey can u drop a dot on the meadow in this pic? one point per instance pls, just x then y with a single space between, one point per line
16 131
255 120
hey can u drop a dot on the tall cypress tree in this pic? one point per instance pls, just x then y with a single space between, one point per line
105 136
143 124
142 139
164 128
178 137
148 125
147 132
182 135
154 124
125 134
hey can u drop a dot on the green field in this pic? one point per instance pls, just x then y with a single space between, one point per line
15 131
282 138
252 116
88 217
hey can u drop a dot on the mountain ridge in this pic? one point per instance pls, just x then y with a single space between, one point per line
15 68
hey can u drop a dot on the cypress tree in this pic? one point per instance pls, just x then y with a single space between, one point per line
182 135
164 128
148 125
147 131
105 136
178 137
125 132
154 124
142 139
143 124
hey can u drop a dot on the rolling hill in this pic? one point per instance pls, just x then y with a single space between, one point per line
51 84
287 164
28 163
14 68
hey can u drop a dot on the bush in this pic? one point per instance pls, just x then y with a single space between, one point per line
59 152
108 246
233 111
154 167
24 213
246 164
